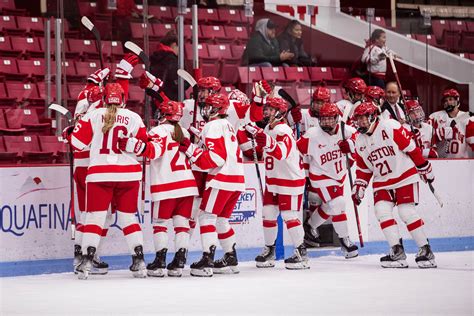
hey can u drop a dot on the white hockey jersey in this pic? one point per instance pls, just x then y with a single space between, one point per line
424 137
389 155
283 170
307 121
107 161
220 156
171 175
327 164
458 146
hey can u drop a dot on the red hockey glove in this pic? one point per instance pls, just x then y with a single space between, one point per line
131 145
296 114
99 75
66 134
426 172
125 67
259 92
148 81
358 191
265 141
346 146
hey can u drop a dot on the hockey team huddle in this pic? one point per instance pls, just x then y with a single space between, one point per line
197 173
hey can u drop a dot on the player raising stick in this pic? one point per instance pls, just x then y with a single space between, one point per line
387 154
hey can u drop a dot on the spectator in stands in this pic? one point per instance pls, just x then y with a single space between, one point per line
164 64
375 58
392 108
263 49
290 40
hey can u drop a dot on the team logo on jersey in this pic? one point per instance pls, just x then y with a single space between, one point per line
321 146
361 148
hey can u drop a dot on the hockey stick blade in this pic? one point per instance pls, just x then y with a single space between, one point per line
61 109
139 52
90 26
187 77
287 97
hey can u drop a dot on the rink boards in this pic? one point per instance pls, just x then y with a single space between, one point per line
35 210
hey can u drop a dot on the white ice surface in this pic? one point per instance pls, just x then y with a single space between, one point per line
333 286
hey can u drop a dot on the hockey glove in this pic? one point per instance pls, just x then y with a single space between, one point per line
253 129
131 145
426 172
296 114
358 191
148 81
125 67
194 131
265 141
346 146
98 76
66 134
186 147
260 91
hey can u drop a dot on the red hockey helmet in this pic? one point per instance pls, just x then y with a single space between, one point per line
322 93
356 85
374 94
114 94
415 112
172 110
277 103
215 104
96 93
450 93
365 115
210 83
328 116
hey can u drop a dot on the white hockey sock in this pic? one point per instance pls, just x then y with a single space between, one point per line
318 217
383 212
340 225
293 224
181 230
160 234
131 230
414 223
270 226
225 234
92 229
207 225
79 228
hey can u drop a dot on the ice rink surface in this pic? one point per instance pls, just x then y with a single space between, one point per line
333 286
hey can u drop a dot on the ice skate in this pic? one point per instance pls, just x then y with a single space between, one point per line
425 258
138 266
349 249
203 268
299 260
395 259
227 264
85 266
99 267
77 257
175 267
157 267
267 258
311 236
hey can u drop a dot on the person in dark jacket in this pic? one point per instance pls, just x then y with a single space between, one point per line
164 64
263 49
290 40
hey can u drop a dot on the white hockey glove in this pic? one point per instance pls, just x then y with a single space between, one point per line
131 145
426 172
358 191
125 67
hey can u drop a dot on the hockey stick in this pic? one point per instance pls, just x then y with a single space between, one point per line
255 162
91 27
285 95
192 82
65 112
394 69
345 116
134 48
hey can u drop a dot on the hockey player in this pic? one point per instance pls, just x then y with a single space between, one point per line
421 132
387 154
450 126
89 99
325 150
310 117
354 94
111 176
285 183
375 94
172 186
221 157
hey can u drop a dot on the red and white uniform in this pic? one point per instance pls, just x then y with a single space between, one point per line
390 156
470 133
107 162
457 145
283 172
424 137
327 172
